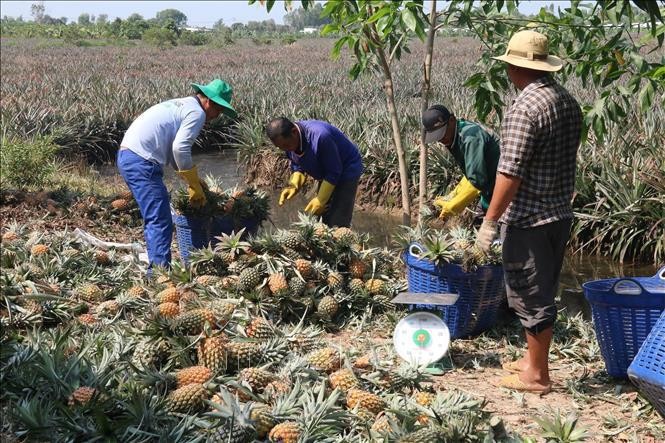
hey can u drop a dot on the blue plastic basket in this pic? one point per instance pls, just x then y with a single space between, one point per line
624 311
199 232
647 371
481 292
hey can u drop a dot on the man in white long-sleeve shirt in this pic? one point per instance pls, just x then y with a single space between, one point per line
163 135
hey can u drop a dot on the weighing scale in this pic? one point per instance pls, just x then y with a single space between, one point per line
422 337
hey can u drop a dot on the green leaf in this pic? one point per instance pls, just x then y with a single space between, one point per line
646 96
409 19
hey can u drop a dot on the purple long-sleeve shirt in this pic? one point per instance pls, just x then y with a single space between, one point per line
327 154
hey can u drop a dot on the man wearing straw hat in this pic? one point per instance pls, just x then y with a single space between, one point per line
163 135
540 135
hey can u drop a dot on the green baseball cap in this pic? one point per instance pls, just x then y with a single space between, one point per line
220 92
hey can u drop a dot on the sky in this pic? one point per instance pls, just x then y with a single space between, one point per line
199 13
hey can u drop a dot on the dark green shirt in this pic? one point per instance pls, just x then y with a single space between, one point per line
476 151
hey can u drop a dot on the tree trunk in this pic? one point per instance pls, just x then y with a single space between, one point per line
397 137
427 75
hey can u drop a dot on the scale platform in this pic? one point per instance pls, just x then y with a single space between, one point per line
422 338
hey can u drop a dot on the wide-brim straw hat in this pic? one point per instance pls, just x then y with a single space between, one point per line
219 92
530 49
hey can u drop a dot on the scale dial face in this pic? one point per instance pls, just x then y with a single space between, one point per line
421 338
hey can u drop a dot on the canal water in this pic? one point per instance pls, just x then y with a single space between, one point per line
576 270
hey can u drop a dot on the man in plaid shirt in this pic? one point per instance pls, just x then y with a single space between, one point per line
532 198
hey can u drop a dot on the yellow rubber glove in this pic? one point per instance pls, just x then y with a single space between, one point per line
455 202
196 196
295 183
317 205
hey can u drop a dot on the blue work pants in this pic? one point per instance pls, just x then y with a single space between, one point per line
145 179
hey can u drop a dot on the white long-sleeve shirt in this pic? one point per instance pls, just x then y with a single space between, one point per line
166 132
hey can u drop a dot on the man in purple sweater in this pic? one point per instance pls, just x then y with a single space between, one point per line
319 149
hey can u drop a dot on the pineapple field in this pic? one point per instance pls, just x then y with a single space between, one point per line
284 335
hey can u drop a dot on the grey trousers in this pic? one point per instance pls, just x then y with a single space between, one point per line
532 260
340 206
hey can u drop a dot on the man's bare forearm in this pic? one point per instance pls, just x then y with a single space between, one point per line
505 188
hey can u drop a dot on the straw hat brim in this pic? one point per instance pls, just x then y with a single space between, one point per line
551 64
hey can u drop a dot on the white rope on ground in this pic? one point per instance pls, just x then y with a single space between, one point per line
137 250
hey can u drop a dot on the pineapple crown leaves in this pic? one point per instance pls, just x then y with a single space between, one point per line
232 243
230 410
561 428
322 417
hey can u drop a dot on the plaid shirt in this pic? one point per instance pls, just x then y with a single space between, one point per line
540 135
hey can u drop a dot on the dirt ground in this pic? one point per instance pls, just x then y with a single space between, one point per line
609 409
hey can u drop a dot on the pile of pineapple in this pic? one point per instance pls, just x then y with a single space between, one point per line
120 209
311 271
231 350
454 245
236 203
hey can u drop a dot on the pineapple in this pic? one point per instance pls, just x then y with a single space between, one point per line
324 359
357 268
110 307
223 310
228 282
207 280
276 388
356 285
260 328
263 419
256 378
192 322
230 246
244 353
39 249
126 195
193 374
277 284
362 362
248 279
187 397
147 353
167 310
374 286
81 396
344 379
321 231
9 236
343 234
136 291
87 319
90 292
328 306
335 281
168 295
296 286
384 302
382 424
290 239
424 398
304 267
364 399
188 297
238 266
120 204
102 258
211 353
286 432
